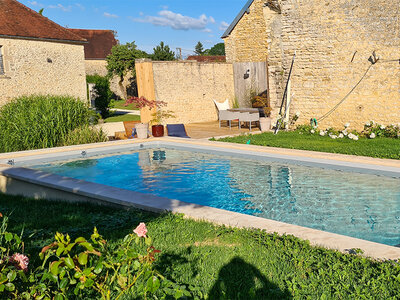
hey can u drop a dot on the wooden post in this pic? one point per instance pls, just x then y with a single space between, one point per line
268 92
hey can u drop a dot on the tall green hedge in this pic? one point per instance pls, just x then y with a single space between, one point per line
34 122
104 94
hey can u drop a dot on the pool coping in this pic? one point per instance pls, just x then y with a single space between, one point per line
106 194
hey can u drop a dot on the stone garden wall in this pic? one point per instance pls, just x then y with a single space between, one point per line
188 87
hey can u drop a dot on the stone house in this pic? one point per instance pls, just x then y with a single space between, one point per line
97 49
334 43
38 56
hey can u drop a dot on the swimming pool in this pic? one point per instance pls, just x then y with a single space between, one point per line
360 205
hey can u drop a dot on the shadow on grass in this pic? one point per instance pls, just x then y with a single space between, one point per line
241 280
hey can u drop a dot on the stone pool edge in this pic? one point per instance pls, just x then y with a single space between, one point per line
38 184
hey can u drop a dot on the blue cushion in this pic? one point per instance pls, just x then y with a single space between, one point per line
177 130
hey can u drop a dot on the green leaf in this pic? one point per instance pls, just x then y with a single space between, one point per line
89 282
178 294
64 283
60 249
11 275
10 287
2 287
80 240
122 281
153 284
136 265
59 297
8 236
82 259
98 268
87 271
148 241
54 267
88 246
69 262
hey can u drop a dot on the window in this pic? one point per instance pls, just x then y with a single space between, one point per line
1 61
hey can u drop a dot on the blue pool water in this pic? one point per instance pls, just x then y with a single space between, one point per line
359 205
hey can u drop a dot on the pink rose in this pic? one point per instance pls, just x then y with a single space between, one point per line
141 230
21 260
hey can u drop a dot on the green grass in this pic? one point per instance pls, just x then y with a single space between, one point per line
216 262
119 104
379 147
120 118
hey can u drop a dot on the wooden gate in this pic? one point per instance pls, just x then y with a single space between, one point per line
249 78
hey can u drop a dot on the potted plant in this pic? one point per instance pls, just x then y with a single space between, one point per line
157 129
143 128
262 103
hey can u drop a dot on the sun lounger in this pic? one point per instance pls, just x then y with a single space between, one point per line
177 130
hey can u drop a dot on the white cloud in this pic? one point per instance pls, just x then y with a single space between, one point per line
223 26
80 6
176 21
62 7
207 30
108 15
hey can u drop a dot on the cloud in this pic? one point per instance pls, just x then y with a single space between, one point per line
35 3
108 15
207 30
223 26
62 7
176 21
80 6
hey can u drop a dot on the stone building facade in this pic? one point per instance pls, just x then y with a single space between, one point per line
42 68
333 41
38 56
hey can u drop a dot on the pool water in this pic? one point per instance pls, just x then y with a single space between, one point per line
358 205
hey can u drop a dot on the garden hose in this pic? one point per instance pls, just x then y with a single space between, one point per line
313 122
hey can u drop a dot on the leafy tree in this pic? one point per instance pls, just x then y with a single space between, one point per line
217 49
198 49
40 12
162 52
122 60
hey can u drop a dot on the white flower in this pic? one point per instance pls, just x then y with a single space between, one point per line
346 125
298 114
341 136
322 133
344 132
372 136
368 124
355 138
312 131
334 136
383 127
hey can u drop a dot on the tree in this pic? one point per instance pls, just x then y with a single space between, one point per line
162 52
199 49
217 49
122 60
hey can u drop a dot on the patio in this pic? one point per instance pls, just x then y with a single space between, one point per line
195 130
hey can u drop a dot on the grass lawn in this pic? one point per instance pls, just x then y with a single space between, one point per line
119 104
378 147
216 262
120 118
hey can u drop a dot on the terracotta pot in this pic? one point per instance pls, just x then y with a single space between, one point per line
142 130
157 130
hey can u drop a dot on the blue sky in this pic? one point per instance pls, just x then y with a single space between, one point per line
179 23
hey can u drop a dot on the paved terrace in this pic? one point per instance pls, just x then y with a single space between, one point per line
194 130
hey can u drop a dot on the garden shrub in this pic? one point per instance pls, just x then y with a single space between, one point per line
35 122
84 269
84 135
102 88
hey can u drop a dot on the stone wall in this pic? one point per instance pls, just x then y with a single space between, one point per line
248 41
99 67
37 67
333 41
188 88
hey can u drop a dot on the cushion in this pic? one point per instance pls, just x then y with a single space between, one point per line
223 105
177 130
